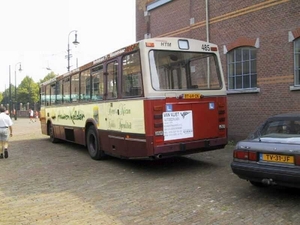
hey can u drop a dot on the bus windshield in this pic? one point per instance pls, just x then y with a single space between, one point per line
177 70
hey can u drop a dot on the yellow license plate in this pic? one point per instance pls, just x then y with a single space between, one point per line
278 158
191 96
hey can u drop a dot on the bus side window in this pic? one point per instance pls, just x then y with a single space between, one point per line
112 78
47 95
59 92
85 86
66 90
97 83
75 87
135 91
131 75
52 94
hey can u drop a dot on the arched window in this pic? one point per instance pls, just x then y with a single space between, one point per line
241 68
297 61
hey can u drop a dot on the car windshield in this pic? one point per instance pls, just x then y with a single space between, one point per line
278 129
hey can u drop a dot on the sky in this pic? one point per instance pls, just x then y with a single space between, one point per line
36 33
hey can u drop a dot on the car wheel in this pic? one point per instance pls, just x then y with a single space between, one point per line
257 184
93 144
51 134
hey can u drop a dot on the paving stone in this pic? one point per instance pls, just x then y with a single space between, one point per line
46 183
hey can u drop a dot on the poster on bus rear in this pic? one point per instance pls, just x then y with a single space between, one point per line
178 125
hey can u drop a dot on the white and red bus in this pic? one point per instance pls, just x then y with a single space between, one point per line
157 98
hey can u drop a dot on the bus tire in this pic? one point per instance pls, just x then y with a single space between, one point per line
93 144
51 134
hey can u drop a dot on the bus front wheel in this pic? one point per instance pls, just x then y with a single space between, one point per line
51 134
93 144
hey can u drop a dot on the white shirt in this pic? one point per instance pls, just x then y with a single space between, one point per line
5 120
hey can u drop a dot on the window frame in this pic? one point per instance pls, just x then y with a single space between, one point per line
252 75
136 91
297 62
112 79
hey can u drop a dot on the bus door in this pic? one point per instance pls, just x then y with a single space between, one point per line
116 140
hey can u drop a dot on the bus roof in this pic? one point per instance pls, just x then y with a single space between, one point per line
170 43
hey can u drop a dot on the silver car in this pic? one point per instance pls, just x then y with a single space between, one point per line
271 155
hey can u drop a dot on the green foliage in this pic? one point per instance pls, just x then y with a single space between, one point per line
27 91
49 76
6 94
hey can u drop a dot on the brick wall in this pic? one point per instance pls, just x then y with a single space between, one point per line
232 23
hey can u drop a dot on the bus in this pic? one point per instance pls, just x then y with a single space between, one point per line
156 98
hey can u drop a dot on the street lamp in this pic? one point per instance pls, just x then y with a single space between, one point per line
75 42
20 69
9 99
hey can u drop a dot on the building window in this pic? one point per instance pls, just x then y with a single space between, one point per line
241 68
157 3
297 61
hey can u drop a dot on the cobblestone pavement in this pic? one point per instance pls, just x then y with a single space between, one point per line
45 183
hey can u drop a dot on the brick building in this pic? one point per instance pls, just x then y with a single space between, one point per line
259 43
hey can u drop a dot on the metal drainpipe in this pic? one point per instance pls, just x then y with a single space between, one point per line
207 40
207 18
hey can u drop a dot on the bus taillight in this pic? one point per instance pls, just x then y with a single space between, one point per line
222 119
158 124
159 139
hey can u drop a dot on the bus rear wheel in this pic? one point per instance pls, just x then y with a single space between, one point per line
93 144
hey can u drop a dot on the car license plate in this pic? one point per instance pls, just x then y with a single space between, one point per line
191 96
277 158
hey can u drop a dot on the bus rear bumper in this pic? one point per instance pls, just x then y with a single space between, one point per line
190 147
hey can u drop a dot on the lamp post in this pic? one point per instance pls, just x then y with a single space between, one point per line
9 99
75 42
20 69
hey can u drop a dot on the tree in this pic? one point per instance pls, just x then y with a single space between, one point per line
28 91
49 76
5 97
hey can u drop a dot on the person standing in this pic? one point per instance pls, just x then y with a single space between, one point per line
5 127
36 115
31 115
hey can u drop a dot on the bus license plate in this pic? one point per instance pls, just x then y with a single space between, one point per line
278 158
191 96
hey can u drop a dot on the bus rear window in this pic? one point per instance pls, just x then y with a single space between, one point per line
177 70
